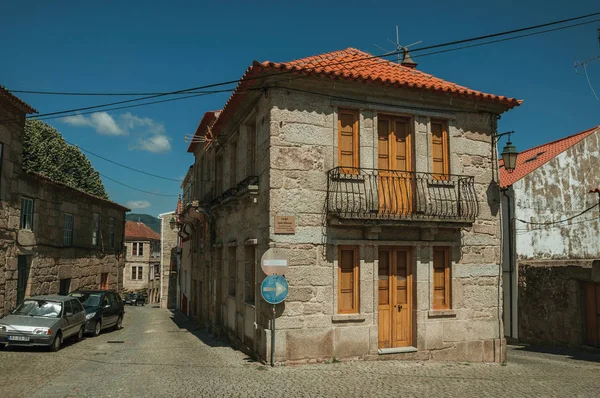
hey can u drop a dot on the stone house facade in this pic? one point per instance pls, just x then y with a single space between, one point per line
163 290
388 177
54 238
142 261
550 242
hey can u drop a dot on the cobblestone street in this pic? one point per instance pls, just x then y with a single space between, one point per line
153 356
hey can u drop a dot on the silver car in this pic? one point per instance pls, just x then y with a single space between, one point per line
43 321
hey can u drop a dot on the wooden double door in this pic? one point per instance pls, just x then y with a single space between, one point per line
592 314
395 301
394 164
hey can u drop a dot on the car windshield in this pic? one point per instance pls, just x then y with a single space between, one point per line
89 299
41 308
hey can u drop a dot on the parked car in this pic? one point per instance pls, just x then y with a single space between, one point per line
135 299
103 309
43 321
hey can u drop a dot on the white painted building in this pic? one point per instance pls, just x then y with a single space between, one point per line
548 215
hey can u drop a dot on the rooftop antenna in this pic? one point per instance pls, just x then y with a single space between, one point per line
400 51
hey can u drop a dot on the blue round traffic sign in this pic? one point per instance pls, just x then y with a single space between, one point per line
274 289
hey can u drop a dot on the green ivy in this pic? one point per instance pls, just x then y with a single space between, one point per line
46 152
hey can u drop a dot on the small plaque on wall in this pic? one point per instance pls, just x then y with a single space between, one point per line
285 224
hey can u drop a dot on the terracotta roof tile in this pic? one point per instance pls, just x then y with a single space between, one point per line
139 230
531 159
355 65
16 101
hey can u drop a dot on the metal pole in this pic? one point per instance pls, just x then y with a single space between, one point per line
273 339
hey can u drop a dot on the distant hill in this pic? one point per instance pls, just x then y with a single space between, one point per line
150 221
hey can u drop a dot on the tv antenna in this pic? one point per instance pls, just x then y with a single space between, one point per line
400 51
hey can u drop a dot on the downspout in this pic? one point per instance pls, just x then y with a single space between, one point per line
510 259
162 244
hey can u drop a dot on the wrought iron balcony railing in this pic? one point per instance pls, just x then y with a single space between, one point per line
357 193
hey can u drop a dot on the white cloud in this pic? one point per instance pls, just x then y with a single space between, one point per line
138 204
102 122
155 143
149 135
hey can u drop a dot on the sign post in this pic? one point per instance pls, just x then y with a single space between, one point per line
274 290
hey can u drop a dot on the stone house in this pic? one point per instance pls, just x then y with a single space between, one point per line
53 238
550 241
163 290
388 179
142 261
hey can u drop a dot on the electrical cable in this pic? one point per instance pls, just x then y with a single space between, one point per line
560 221
135 189
122 165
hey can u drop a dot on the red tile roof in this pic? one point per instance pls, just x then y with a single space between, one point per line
16 101
355 65
531 159
135 230
207 121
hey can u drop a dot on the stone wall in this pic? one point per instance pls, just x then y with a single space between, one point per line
48 259
551 301
169 240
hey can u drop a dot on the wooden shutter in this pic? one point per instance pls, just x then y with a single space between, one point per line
383 146
233 166
348 280
441 278
348 140
251 149
439 149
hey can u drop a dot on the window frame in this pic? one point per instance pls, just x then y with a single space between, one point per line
24 218
137 249
250 274
447 267
111 232
445 174
355 141
68 233
232 271
95 229
355 283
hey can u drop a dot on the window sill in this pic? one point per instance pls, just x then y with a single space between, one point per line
348 318
441 314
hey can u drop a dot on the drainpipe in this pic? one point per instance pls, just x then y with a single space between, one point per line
162 244
510 258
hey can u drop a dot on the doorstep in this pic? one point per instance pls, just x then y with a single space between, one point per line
397 350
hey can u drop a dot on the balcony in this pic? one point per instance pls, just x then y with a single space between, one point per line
393 196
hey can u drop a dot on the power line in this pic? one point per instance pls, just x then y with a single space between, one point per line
188 90
122 165
507 39
135 189
560 221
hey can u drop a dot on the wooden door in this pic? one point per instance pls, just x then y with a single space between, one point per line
592 314
394 163
395 298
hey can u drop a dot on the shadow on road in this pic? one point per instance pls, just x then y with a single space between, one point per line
201 333
588 354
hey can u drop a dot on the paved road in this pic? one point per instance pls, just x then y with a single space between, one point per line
157 358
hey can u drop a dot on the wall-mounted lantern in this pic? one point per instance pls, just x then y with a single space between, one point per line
509 153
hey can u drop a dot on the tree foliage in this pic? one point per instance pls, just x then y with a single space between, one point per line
46 152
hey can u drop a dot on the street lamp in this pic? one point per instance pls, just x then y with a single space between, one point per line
509 153
172 222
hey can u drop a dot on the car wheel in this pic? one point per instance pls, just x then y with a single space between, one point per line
119 324
79 335
97 328
55 346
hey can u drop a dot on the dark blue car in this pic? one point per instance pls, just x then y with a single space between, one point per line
103 309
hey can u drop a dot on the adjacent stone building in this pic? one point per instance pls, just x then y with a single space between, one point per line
142 262
388 182
163 290
53 238
550 242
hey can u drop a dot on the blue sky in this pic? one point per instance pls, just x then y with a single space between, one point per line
120 46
